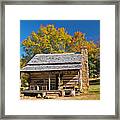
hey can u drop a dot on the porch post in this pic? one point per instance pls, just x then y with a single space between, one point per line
29 80
59 82
81 82
49 81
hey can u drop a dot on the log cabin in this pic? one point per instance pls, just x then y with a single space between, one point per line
61 74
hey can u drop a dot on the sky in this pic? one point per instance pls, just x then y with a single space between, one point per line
91 28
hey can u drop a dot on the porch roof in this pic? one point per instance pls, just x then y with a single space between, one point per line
52 67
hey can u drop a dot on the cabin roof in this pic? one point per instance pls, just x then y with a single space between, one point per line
51 62
52 67
55 58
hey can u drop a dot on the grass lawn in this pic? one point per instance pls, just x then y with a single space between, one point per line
93 94
94 89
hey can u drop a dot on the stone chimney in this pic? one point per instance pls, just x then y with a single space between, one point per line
84 71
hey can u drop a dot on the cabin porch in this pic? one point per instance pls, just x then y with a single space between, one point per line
53 82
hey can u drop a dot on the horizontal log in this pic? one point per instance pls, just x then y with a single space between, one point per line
42 78
54 73
41 83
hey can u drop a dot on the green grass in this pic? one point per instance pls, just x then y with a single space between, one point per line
94 89
93 93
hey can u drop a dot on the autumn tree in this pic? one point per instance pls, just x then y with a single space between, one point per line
49 39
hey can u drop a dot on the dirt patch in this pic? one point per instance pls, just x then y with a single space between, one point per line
79 97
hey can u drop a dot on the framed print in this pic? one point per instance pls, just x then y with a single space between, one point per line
59 59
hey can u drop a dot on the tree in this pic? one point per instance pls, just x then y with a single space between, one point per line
49 39
24 80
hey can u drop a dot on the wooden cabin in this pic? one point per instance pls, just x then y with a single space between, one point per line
62 74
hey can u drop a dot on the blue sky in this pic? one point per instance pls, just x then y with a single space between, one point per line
91 28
